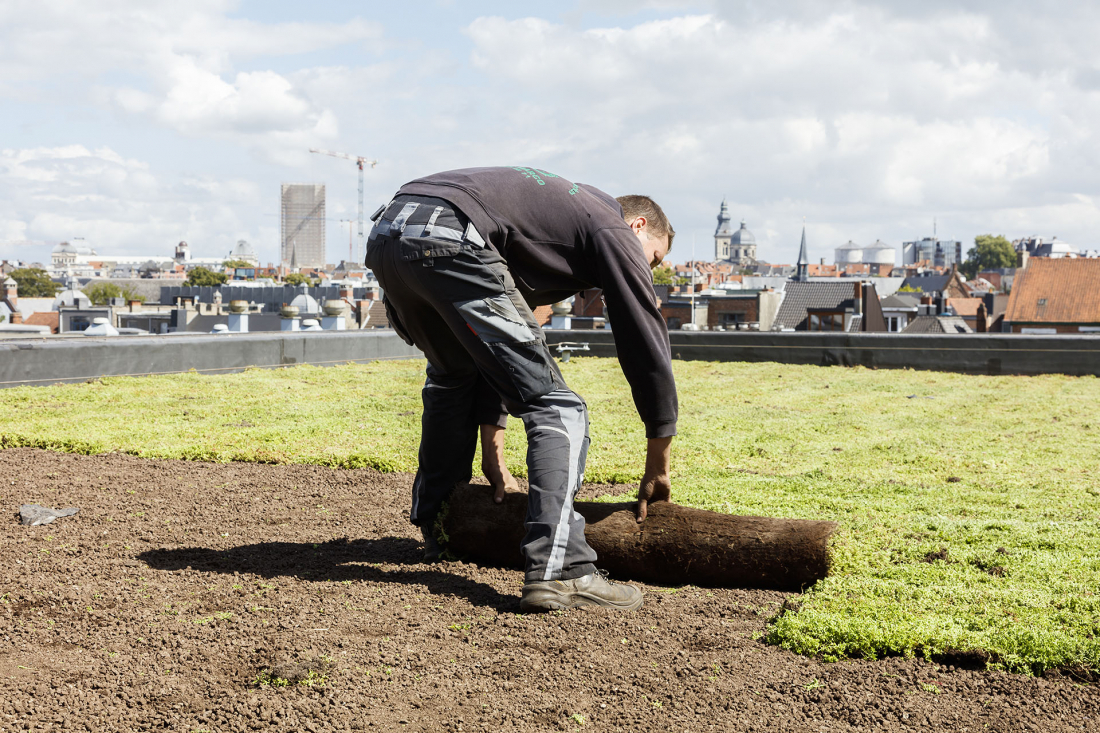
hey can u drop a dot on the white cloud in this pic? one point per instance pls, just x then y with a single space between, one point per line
860 115
55 194
868 118
181 58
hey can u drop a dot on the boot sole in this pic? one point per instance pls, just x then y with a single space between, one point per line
548 601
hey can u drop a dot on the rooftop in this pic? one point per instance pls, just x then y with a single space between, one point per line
816 295
901 300
1056 291
928 283
938 324
908 478
965 306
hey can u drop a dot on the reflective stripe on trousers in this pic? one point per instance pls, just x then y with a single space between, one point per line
557 447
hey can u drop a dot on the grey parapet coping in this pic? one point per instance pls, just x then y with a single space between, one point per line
973 353
53 360
39 361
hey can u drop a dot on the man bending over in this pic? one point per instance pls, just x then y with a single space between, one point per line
463 256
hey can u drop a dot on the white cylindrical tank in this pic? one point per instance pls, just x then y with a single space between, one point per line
880 253
849 253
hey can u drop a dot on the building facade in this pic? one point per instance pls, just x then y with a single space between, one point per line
937 252
302 230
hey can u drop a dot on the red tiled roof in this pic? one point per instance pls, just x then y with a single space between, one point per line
1056 291
44 318
965 306
542 314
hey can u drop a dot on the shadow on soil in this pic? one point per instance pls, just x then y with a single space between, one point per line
333 561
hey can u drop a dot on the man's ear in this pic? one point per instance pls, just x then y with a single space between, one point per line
638 224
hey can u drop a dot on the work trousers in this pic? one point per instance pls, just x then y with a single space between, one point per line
451 295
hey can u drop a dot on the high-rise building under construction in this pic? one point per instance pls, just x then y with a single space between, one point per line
303 225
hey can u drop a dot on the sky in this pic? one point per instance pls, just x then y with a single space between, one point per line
137 123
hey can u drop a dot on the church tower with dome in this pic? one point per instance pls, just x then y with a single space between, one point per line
736 247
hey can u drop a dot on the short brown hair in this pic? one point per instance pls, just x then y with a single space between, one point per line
656 222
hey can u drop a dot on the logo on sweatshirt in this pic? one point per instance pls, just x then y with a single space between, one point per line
534 173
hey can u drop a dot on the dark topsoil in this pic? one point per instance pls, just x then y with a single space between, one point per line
178 584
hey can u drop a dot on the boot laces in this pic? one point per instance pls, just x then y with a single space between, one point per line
606 579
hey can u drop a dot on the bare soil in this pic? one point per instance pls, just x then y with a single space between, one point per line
180 588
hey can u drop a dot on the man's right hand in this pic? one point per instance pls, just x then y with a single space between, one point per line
656 482
492 462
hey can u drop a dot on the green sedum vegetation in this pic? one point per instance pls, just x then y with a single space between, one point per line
968 504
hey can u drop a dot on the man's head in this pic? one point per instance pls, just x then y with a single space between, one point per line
650 225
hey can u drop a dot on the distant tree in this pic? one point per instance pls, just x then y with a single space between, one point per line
101 293
909 289
202 277
34 282
296 279
663 275
988 253
234 264
130 294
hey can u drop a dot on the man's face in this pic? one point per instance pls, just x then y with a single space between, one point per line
655 248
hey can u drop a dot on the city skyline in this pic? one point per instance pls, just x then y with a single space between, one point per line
181 127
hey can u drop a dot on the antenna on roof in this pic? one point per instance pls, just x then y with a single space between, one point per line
934 234
694 266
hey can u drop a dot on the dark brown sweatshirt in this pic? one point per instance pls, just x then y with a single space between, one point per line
559 238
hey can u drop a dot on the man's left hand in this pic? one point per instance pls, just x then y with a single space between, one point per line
656 481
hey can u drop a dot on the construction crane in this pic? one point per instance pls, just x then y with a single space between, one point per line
360 161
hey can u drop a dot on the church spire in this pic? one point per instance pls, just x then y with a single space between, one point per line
802 273
723 220
723 233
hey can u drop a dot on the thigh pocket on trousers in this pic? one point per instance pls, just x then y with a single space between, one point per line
496 320
501 327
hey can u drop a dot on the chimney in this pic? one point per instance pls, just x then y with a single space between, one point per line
1021 259
11 292
980 324
857 297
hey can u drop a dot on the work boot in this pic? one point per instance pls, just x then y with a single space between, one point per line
593 589
432 548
